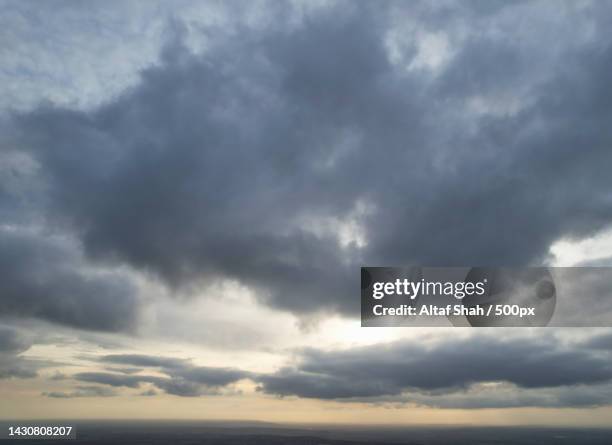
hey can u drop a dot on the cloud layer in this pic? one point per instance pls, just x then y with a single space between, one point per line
45 277
472 372
285 156
181 378
432 374
279 151
12 343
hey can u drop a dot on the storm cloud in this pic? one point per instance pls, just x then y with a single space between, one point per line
45 278
255 157
285 156
12 365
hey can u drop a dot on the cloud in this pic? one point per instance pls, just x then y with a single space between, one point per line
282 155
212 377
82 391
455 370
117 380
182 378
44 277
16 367
123 370
149 393
602 342
500 395
13 342
144 360
58 376
184 388
209 376
471 372
287 155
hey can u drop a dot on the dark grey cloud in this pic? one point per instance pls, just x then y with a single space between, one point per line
510 396
435 371
82 391
473 372
185 388
16 367
13 342
44 277
117 380
212 377
145 360
183 368
600 342
229 163
123 370
182 378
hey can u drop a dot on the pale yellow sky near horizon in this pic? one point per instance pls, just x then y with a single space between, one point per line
25 402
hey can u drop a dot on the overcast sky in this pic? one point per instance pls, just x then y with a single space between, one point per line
188 190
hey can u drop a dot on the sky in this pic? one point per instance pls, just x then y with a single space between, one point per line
188 190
